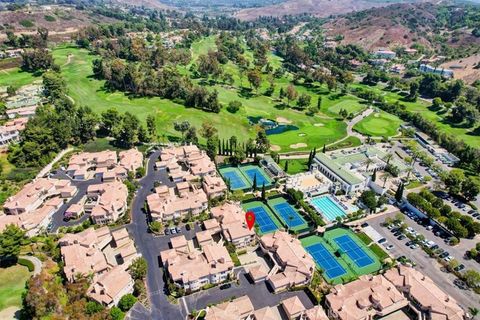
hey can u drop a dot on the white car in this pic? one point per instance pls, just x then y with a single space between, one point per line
448 259
390 247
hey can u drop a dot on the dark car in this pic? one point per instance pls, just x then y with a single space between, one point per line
225 286
167 231
396 234
444 255
409 243
382 240
401 237
459 268
364 225
178 230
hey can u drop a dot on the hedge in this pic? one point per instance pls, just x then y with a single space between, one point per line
26 263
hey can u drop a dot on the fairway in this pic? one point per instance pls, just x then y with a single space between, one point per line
350 104
12 285
379 124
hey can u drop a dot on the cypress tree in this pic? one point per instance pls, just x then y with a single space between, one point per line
219 147
254 185
223 148
264 197
374 175
286 166
324 148
399 193
310 157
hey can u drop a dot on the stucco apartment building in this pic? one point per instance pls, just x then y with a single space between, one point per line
426 298
105 164
372 297
231 219
214 186
293 265
103 254
33 206
367 298
242 309
191 269
107 201
10 131
172 203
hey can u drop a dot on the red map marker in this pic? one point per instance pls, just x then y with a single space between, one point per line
250 218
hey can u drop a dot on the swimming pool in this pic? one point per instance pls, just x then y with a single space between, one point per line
327 207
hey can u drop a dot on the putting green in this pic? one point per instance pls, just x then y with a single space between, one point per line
379 124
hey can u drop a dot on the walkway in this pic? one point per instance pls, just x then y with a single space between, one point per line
37 264
49 166
351 124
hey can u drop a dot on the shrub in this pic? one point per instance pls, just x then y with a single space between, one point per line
26 263
116 313
26 23
127 302
93 307
234 106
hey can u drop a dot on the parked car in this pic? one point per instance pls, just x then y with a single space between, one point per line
401 237
414 246
178 230
173 230
390 247
167 231
409 243
383 240
444 254
364 225
225 286
448 259
396 234
459 268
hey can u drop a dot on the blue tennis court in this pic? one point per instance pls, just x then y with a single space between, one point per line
289 215
326 260
261 179
263 219
354 251
236 182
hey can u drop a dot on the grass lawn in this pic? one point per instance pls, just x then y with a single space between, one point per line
16 77
351 104
295 165
379 124
309 131
414 184
366 239
12 285
379 252
350 142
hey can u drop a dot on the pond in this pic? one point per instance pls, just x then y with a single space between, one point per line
281 128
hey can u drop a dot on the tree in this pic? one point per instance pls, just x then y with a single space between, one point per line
37 60
386 175
238 156
291 93
470 188
374 175
264 196
110 121
10 243
208 130
286 166
126 302
234 106
414 87
93 307
369 200
116 313
254 78
453 181
138 268
399 193
127 135
304 100
473 311
262 142
191 136
182 127
254 184
54 85
151 127
156 226
211 146
472 278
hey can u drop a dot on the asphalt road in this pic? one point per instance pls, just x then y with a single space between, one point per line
150 247
427 265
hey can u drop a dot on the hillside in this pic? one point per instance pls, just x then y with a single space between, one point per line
60 21
320 8
401 24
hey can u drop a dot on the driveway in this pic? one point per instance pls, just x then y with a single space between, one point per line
427 265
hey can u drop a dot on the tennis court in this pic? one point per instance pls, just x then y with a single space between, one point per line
237 180
263 217
353 250
252 172
325 260
289 215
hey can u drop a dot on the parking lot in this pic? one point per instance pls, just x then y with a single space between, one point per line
424 262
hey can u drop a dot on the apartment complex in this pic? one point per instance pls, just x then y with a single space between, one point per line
231 218
104 164
32 207
214 186
369 297
426 298
10 131
104 255
191 269
293 265
107 201
166 203
372 297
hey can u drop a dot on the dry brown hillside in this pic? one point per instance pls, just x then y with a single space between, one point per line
394 25
321 8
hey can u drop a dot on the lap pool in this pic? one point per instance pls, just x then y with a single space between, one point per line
328 208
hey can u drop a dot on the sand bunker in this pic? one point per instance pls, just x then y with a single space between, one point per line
301 134
298 145
376 115
275 148
318 124
282 120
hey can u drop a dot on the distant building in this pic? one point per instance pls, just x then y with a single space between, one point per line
10 131
106 201
272 167
385 54
446 73
214 186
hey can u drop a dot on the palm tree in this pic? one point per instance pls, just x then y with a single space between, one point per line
409 171
368 162
388 157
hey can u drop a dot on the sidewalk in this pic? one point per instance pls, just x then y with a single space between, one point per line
49 166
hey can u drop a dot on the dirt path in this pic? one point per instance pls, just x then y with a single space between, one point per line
9 313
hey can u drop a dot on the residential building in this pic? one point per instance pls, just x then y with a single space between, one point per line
23 112
130 159
97 252
427 299
86 165
369 297
446 73
214 186
385 54
231 217
294 308
294 265
10 131
110 287
165 206
192 269
107 201
237 309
